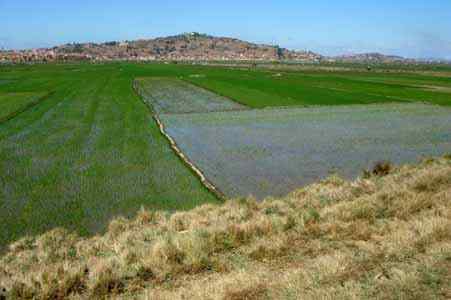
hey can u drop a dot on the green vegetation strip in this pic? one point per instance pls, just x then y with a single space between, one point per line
259 89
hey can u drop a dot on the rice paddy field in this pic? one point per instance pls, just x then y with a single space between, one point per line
259 89
89 149
271 152
167 95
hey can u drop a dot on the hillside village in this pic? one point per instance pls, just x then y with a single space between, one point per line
194 47
184 47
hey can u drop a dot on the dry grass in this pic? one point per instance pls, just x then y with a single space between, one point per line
383 237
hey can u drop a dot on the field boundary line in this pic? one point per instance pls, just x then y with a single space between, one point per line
25 108
306 106
245 106
198 173
211 187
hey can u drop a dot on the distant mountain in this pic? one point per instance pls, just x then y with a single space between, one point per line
434 60
370 58
189 46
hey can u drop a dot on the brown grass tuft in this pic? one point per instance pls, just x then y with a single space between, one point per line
433 182
106 282
245 293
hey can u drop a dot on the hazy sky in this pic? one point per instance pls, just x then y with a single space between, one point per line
413 28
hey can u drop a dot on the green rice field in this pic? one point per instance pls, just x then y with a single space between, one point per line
271 88
90 150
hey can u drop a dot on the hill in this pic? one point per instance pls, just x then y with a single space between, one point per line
385 236
189 46
372 58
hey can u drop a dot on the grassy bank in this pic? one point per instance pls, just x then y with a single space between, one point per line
386 237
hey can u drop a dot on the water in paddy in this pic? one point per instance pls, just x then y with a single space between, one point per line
176 96
271 152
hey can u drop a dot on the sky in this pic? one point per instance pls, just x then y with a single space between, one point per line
414 28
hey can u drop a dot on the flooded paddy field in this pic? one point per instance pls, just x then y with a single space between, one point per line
169 95
271 152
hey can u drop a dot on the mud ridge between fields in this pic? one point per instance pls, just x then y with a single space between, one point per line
25 108
211 187
205 182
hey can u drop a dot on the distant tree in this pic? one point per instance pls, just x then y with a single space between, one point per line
112 43
279 52
78 48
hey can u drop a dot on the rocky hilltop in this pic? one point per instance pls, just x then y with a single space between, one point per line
189 46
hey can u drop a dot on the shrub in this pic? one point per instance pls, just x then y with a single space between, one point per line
382 168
